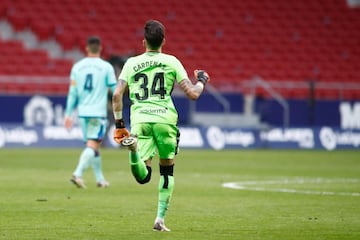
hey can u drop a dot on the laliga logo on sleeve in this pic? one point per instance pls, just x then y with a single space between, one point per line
328 138
216 138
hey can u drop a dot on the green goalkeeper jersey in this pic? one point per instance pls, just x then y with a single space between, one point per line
151 77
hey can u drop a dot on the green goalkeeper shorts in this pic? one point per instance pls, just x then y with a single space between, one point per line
153 137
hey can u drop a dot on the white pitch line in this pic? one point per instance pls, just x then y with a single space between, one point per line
251 185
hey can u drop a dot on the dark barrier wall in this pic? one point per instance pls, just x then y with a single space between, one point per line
37 121
322 112
33 110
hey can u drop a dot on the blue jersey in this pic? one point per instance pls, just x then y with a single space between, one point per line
90 78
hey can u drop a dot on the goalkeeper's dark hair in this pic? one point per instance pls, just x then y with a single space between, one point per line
154 33
93 43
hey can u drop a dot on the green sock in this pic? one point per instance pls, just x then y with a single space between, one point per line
166 186
138 167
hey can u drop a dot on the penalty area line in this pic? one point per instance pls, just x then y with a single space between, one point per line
254 186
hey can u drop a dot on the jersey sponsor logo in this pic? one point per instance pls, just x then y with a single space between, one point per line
154 111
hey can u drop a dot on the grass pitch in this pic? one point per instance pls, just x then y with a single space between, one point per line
283 195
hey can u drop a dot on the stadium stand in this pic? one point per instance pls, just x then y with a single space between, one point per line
281 41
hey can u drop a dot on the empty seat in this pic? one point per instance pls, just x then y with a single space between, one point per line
234 40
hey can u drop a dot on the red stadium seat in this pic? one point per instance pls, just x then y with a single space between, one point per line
234 40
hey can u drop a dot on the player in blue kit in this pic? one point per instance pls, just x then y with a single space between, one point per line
90 80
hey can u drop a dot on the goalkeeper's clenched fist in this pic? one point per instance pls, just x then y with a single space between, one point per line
202 76
120 132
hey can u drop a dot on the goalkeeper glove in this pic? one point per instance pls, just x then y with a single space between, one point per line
202 76
120 132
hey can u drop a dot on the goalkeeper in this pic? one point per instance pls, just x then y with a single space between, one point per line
150 78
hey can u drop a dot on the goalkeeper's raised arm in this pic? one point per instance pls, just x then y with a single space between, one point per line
193 91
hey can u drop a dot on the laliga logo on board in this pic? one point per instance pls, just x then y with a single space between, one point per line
218 138
327 138
40 111
330 139
17 135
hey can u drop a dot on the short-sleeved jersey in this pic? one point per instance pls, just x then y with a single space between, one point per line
93 76
151 77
